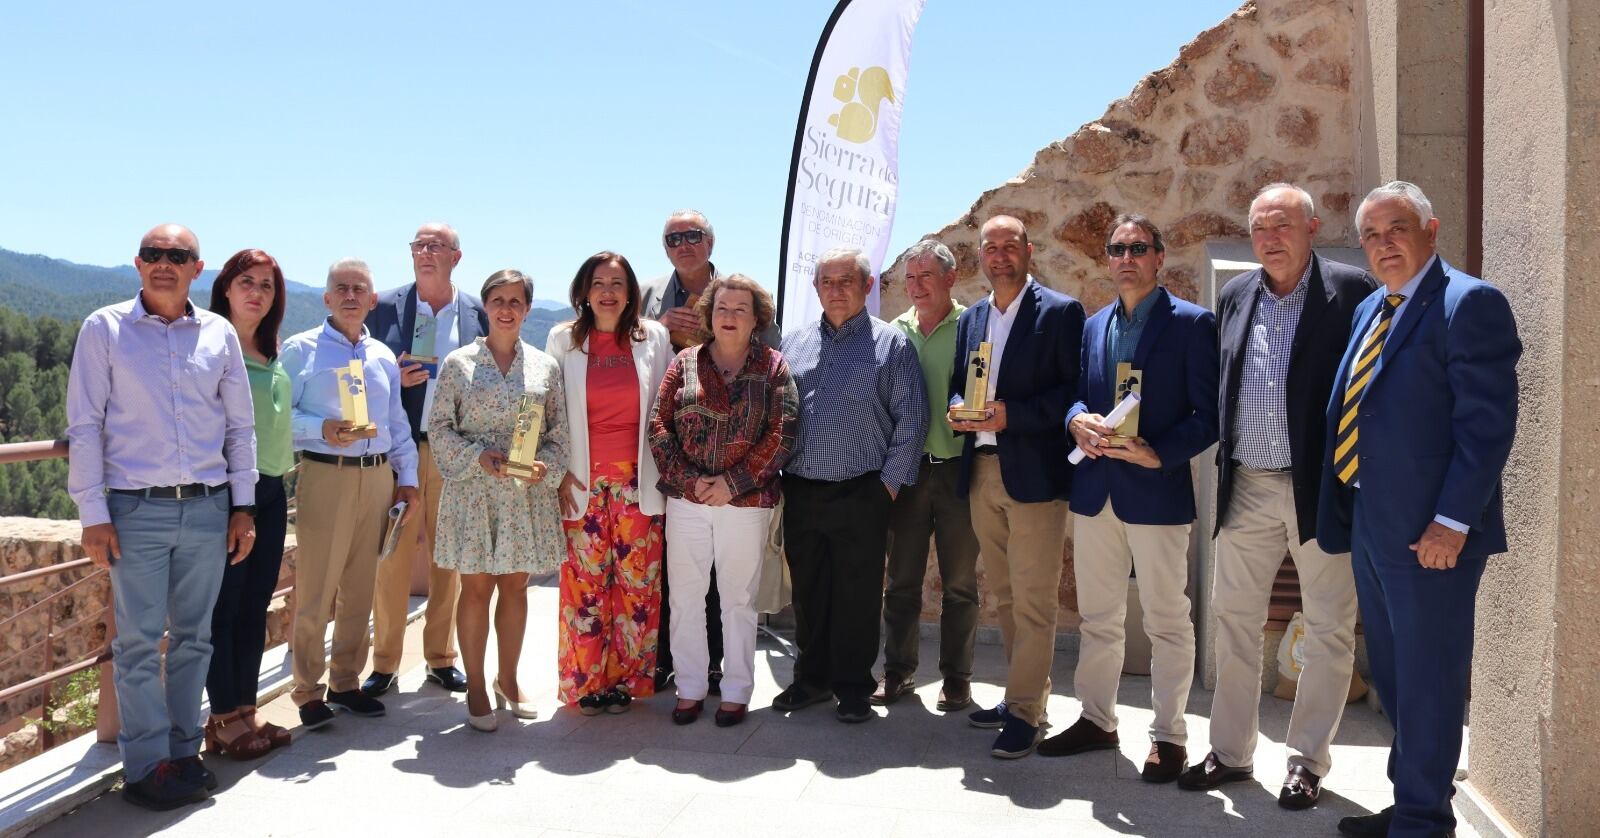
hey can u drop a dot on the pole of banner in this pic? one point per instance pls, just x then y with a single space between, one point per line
794 158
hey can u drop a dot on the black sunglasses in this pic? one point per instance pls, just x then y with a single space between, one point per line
1117 250
690 236
175 255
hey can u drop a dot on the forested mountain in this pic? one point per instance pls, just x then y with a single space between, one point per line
34 358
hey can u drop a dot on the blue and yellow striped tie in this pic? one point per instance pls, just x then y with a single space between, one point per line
1345 461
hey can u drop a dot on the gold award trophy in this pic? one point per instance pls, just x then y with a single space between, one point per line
353 401
525 438
975 405
1128 380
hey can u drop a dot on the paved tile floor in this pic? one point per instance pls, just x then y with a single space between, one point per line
911 772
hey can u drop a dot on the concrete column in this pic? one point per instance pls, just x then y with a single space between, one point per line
1431 120
1536 692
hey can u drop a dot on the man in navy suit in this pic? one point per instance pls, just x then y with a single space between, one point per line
1283 328
459 320
1014 467
1420 424
1133 497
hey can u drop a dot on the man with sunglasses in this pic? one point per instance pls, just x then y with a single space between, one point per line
1014 472
1283 328
1133 497
670 299
458 319
163 470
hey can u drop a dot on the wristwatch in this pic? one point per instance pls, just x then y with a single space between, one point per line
248 510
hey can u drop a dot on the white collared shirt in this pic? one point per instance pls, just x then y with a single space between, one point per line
997 332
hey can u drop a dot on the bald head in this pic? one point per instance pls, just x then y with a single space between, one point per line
171 235
167 262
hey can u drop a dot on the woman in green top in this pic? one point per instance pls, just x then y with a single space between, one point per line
249 292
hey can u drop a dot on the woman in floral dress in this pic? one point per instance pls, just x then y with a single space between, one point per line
612 363
496 529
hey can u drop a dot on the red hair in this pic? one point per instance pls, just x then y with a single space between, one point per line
267 333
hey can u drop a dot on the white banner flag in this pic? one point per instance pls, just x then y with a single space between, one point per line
844 176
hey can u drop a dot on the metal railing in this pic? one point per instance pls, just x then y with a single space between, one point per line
107 721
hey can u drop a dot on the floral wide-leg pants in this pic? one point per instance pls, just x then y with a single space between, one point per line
610 590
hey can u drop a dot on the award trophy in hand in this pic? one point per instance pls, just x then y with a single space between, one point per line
353 401
525 440
975 404
422 337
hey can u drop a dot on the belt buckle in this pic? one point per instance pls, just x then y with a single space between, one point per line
183 492
368 460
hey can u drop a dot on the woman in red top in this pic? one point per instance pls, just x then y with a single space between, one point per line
724 424
611 365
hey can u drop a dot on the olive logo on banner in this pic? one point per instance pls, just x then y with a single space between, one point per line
862 94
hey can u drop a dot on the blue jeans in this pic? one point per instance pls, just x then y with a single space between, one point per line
173 555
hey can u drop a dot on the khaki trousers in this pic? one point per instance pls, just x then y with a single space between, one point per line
1020 545
1105 549
1261 527
341 511
393 598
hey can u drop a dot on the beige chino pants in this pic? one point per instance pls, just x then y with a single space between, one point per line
1104 550
1020 547
1261 527
340 514
393 597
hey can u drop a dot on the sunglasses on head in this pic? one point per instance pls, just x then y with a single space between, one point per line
175 255
1116 251
690 236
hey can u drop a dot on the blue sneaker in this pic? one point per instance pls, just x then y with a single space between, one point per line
992 718
1016 740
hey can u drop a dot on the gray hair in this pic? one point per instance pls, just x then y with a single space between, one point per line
449 232
1409 192
705 223
348 263
509 276
934 248
1307 206
840 254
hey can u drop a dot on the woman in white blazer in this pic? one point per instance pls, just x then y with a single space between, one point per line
612 362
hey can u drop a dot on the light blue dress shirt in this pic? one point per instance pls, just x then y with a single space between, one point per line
313 360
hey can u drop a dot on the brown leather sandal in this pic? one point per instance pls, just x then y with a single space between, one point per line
233 736
275 734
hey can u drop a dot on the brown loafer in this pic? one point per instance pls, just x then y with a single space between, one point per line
1211 772
1300 789
955 695
1084 735
1165 762
892 688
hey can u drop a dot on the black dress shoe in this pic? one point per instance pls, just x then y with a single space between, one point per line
799 695
891 688
196 772
1300 789
1165 762
689 715
1375 825
378 683
356 703
163 789
315 714
1084 735
448 677
1211 772
853 710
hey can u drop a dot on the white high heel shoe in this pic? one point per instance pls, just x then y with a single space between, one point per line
487 723
520 709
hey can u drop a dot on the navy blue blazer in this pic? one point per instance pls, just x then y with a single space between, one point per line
1038 377
391 322
1436 422
1177 412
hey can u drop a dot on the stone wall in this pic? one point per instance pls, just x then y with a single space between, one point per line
1261 97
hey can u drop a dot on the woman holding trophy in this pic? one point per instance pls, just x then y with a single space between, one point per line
724 425
499 432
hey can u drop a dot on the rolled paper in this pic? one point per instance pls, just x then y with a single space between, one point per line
1113 419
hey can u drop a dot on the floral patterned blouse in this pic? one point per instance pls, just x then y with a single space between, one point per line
488 524
704 426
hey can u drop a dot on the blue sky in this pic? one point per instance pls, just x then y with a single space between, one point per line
543 131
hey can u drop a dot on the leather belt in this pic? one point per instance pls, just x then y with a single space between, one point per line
364 461
986 449
184 492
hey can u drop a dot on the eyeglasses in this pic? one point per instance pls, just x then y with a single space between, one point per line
690 236
1118 250
430 247
176 255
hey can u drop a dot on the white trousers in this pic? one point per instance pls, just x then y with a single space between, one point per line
1261 527
732 539
1104 549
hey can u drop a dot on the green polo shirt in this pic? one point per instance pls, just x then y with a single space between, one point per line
937 354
